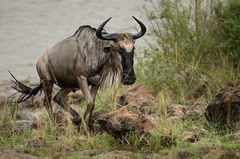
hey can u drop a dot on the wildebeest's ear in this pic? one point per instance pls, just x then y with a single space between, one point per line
106 49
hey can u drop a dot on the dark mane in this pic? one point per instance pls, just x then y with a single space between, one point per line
84 27
89 28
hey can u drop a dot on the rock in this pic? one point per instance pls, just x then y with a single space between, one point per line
190 136
224 109
123 120
176 110
136 113
12 154
140 98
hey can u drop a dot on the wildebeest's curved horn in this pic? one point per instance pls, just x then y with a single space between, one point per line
143 29
106 36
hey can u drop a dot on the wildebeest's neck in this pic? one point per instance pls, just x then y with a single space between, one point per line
92 55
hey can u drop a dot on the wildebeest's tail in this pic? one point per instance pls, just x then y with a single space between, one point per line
26 91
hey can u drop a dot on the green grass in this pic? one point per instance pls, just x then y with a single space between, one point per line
155 143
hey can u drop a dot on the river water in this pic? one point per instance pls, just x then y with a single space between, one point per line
28 27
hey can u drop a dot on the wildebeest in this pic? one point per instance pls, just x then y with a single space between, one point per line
83 61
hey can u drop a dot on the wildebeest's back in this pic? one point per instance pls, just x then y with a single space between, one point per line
80 54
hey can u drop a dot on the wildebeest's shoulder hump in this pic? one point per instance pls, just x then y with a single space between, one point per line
84 27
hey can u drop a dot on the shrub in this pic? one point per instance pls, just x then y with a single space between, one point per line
228 33
183 60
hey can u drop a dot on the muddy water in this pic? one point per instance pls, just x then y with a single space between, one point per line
28 27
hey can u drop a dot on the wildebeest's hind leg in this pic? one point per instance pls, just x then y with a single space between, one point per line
60 98
48 88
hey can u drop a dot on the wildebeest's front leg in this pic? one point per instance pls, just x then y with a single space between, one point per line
94 90
83 84
60 98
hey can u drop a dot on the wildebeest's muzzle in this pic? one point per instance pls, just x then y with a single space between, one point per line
128 76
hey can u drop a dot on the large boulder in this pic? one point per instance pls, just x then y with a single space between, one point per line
225 107
136 109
